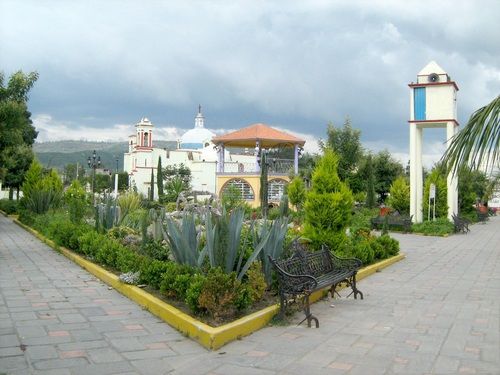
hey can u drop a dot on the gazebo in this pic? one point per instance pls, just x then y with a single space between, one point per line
244 174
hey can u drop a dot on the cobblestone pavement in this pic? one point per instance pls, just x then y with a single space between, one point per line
438 311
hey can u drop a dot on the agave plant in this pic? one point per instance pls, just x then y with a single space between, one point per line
184 241
128 202
223 238
156 216
274 235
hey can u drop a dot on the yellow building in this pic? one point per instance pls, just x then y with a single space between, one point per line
246 176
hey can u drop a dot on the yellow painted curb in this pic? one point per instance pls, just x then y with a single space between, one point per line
210 337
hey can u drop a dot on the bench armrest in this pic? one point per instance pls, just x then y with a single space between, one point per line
349 263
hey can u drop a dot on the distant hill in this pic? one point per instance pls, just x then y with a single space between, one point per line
57 154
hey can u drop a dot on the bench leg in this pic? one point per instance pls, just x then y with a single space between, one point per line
355 289
307 311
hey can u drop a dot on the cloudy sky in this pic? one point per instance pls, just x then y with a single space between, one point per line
295 65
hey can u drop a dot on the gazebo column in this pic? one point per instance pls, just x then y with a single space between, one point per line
257 156
296 159
220 158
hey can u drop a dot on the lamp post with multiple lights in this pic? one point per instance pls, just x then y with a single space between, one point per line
94 162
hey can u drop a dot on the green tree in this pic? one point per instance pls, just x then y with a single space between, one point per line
42 190
159 180
399 198
307 163
177 179
328 204
71 173
16 161
472 187
231 198
370 183
152 186
16 128
102 182
123 181
75 199
478 142
297 192
438 178
345 142
264 184
386 169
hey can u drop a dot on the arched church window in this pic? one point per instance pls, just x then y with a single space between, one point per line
241 186
146 139
276 189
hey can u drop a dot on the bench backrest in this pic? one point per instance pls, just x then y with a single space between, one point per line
304 263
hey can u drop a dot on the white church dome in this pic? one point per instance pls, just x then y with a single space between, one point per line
199 136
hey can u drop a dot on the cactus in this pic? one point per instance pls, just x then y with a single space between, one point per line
157 216
107 215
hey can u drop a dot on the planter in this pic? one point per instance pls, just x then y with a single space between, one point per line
210 337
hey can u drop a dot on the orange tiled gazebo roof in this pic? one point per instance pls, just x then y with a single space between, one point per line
267 136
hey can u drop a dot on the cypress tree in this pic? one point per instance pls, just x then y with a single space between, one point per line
159 180
328 205
370 193
152 184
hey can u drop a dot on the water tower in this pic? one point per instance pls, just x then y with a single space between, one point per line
433 105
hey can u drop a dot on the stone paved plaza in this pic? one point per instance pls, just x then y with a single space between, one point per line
437 311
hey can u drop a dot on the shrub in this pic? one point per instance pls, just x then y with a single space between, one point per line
328 205
170 206
363 251
119 233
128 260
297 192
152 272
41 191
194 291
66 233
437 177
8 206
75 199
222 294
399 198
255 281
89 243
438 227
390 245
168 284
155 249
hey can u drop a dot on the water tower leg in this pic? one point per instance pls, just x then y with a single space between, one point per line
452 180
416 178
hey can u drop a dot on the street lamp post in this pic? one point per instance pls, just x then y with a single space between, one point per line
93 162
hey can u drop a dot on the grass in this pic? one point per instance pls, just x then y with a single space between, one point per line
440 227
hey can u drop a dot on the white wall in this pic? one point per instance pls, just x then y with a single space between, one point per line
440 102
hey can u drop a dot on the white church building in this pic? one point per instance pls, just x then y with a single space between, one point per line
195 150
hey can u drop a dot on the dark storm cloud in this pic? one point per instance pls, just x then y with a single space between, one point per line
296 65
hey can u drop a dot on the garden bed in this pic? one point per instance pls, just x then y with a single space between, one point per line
208 336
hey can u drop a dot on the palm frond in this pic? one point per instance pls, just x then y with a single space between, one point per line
478 144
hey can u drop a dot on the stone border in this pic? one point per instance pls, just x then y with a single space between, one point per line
210 337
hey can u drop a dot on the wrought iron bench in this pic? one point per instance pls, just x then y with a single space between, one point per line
460 224
392 220
306 272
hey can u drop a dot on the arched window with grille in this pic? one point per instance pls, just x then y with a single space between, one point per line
241 186
276 189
